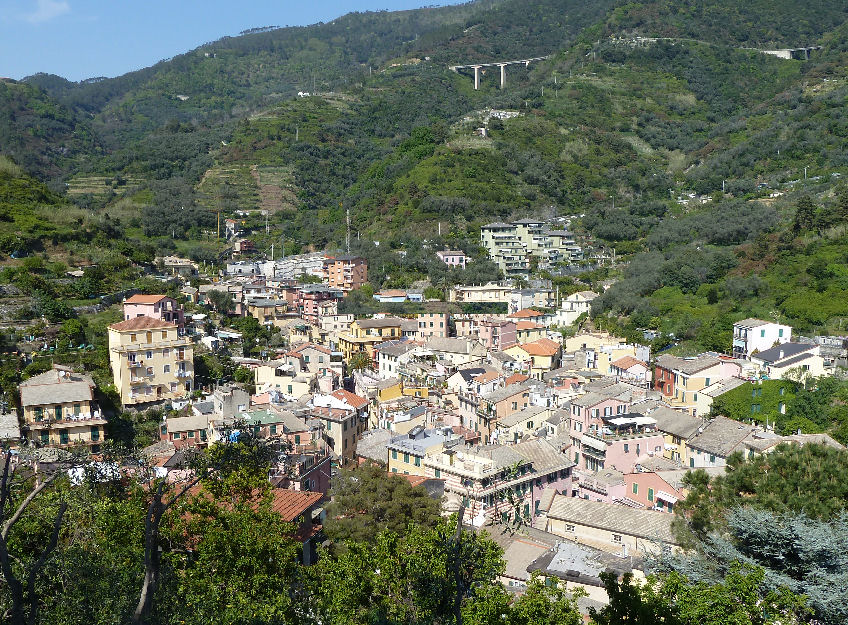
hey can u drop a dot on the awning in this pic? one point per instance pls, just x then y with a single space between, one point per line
661 494
593 442
633 421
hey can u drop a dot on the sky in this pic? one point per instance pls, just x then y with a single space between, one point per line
81 39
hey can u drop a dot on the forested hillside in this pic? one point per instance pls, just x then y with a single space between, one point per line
688 155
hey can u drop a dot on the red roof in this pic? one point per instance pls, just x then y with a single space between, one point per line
354 400
516 378
319 348
528 325
542 347
141 323
625 362
487 377
290 504
144 299
525 313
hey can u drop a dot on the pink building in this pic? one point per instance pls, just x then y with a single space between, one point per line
653 490
159 307
604 435
497 334
452 258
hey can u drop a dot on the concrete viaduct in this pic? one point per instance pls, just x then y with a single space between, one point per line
802 54
502 64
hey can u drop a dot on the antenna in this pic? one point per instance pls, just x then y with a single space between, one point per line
347 235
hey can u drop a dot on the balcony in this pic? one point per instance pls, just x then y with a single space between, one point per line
184 374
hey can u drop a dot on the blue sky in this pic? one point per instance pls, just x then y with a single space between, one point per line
87 38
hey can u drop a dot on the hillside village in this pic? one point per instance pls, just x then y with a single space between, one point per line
502 312
577 442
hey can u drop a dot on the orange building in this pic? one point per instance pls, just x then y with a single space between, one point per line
345 272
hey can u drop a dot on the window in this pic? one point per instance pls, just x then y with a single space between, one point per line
417 461
394 454
58 413
616 538
176 436
691 462
529 425
569 528
166 352
77 409
45 438
762 333
394 469
166 369
707 382
650 494
95 434
39 414
132 337
635 488
780 332
626 448
63 438
163 430
320 359
438 473
515 405
191 434
164 334
712 459
406 458
203 435
150 354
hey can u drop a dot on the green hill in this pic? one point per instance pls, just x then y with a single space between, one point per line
686 155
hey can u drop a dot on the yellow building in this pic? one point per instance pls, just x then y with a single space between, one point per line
542 356
677 428
60 411
150 361
364 334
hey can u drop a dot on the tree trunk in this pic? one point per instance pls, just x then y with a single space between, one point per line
151 558
457 570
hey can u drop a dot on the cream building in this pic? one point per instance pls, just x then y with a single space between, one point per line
60 411
150 361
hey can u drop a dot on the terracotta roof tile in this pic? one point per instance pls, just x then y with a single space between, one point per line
525 313
290 504
528 325
144 299
626 362
516 378
487 377
354 400
141 323
542 347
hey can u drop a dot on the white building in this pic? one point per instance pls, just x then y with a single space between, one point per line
751 335
572 307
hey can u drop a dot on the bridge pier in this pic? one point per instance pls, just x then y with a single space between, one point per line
503 75
476 77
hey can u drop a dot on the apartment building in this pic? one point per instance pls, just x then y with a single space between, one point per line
150 361
497 481
345 271
511 245
681 379
756 335
364 334
59 410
